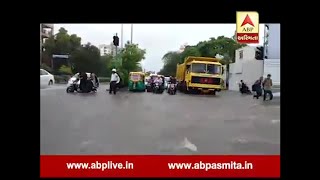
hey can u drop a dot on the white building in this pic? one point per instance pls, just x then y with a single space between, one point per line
108 49
248 69
105 49
46 31
272 52
245 68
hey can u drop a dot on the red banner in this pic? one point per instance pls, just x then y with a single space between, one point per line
159 166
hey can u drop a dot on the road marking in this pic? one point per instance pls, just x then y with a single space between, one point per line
253 105
275 121
187 144
278 107
53 88
187 116
85 145
241 140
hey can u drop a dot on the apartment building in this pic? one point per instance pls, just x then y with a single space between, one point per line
46 30
108 49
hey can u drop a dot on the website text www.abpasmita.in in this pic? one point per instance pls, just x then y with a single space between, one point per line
100 165
208 166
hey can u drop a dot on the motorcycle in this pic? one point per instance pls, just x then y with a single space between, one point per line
75 86
157 88
172 89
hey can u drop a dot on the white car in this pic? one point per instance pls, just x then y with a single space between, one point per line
46 79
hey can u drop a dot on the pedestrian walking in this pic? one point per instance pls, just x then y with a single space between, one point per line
257 88
267 87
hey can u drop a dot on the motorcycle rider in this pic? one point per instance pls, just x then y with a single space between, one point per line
94 79
83 81
114 80
159 81
173 80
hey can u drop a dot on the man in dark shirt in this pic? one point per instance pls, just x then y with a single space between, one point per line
83 81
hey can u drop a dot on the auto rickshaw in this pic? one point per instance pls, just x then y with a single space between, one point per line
137 81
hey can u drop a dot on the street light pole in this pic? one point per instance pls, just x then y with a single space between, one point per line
131 32
116 46
121 36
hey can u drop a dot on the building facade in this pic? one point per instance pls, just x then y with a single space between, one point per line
272 42
246 67
272 52
46 31
108 49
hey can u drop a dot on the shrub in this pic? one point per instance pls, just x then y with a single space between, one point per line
46 67
104 79
65 70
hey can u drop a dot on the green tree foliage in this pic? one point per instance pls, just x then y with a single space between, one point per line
170 60
86 59
82 57
105 69
222 45
65 70
131 57
46 67
128 60
62 43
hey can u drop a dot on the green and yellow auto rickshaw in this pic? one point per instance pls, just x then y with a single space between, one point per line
137 81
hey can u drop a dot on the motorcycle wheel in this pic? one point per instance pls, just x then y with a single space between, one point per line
69 90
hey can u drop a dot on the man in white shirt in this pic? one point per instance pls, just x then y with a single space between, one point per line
114 80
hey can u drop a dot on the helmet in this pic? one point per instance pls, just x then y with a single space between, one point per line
114 70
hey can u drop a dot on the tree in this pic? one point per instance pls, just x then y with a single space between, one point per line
46 67
62 43
105 70
220 45
131 56
128 60
65 70
170 60
86 59
189 51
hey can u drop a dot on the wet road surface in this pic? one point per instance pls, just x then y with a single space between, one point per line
146 123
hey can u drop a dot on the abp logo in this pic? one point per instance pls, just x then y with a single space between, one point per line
248 27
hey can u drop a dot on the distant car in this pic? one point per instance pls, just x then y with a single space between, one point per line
46 79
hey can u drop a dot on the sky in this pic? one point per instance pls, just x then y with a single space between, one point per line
157 39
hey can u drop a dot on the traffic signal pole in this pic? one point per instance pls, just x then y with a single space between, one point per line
116 50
